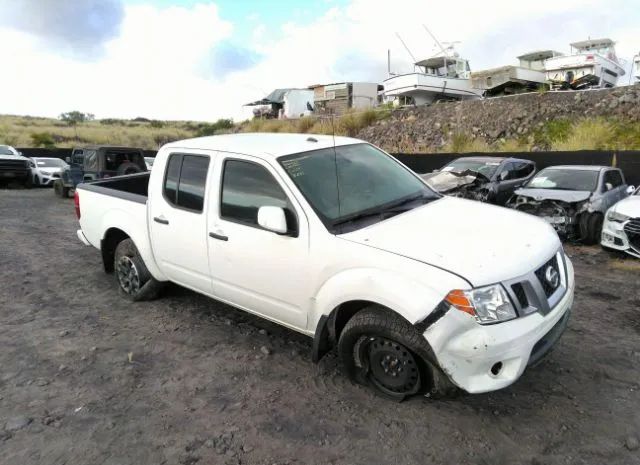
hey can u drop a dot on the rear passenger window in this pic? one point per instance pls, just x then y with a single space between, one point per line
185 181
246 187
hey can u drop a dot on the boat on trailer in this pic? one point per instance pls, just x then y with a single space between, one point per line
444 77
591 64
528 76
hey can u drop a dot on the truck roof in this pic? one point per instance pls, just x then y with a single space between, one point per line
263 144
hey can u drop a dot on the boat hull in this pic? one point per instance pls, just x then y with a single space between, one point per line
424 88
507 80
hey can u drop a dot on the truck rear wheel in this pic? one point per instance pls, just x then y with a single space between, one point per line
380 349
133 278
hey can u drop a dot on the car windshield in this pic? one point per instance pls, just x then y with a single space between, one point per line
49 162
485 167
352 186
569 180
5 150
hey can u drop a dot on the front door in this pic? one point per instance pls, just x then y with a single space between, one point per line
179 220
251 267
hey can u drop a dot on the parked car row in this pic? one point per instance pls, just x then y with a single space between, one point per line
86 163
582 202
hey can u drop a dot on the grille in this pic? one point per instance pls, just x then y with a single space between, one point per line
549 288
518 290
8 165
632 228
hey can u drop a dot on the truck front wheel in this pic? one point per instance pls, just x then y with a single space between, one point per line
380 349
133 278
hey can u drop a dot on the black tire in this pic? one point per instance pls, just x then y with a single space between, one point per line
128 168
132 276
378 348
36 181
28 182
591 228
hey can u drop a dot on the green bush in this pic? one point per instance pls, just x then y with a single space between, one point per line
42 139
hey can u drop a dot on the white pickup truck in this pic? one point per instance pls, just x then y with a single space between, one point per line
334 238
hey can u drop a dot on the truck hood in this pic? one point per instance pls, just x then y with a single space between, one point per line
13 157
629 206
482 243
554 194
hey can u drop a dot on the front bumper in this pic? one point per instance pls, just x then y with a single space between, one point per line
614 237
467 351
82 237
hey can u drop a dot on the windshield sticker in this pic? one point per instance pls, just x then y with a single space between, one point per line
293 167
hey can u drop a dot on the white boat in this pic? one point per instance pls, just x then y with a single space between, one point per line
507 80
591 64
439 78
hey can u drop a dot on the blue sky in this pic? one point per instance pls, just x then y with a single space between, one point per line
203 59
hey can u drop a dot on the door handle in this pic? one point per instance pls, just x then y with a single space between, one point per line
160 220
220 237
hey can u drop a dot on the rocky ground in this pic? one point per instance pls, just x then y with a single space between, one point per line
89 378
430 128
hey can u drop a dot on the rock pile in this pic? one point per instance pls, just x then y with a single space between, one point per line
430 128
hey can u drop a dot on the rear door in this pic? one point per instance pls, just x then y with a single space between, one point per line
179 219
514 174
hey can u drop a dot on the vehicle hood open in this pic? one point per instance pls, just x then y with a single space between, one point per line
554 194
445 181
483 243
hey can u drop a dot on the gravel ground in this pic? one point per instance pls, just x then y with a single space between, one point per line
88 378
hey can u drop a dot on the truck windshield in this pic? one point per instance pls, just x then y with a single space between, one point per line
566 180
352 186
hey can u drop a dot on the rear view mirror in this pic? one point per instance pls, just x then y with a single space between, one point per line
631 190
273 219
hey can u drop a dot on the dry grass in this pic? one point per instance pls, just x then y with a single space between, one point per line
588 135
18 131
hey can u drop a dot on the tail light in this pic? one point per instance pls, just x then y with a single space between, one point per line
76 202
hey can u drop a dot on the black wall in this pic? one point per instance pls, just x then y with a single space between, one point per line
62 153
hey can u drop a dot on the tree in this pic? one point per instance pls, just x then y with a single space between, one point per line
73 118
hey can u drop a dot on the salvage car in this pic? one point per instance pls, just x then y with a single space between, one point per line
44 171
621 230
13 166
573 198
93 162
487 179
336 239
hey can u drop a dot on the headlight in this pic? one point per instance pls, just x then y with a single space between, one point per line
617 217
489 304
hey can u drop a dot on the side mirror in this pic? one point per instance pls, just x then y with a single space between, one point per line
273 219
631 190
68 160
608 186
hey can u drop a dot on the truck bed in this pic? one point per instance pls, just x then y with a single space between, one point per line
133 187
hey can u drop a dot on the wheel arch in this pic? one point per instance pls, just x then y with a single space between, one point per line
112 237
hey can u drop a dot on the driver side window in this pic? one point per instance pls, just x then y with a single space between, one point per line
517 170
247 186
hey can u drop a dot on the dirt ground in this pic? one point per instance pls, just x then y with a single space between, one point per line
88 378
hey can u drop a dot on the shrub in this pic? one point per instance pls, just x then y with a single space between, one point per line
588 135
42 139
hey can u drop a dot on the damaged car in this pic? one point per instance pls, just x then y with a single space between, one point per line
487 179
621 231
573 199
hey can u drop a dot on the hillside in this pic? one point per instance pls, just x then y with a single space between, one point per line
603 119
